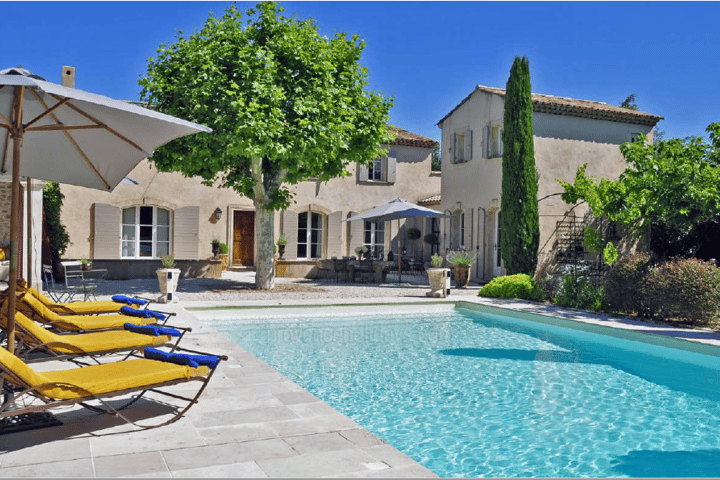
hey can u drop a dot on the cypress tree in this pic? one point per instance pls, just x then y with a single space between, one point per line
520 219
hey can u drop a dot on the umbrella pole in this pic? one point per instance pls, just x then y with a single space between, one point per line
29 272
399 253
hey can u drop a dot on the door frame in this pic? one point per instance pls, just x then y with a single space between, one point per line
497 253
231 235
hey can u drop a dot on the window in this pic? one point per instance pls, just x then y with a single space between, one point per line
374 238
435 228
495 141
376 170
462 147
145 232
310 234
459 147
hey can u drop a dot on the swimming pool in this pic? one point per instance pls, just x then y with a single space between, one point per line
479 391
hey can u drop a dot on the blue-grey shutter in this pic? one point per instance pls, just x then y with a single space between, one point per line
362 173
486 142
391 167
455 159
468 145
105 235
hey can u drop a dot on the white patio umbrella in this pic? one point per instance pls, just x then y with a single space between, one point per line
395 210
70 136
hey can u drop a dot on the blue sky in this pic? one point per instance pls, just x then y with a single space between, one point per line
429 55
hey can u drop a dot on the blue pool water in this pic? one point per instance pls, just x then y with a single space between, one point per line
477 394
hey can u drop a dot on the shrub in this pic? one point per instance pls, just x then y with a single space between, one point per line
579 290
686 289
56 232
519 285
461 257
550 285
437 261
623 283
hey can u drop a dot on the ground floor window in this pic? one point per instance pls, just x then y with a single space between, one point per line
310 235
145 232
374 238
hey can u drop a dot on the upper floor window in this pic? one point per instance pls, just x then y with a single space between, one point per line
495 143
381 169
375 172
462 146
145 232
310 235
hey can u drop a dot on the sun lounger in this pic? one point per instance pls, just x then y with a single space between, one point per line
36 310
34 339
51 389
86 308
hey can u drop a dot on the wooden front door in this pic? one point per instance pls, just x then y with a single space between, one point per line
243 238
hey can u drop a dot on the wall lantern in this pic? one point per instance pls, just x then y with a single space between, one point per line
218 213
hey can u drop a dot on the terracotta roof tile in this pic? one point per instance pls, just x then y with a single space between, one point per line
409 139
433 200
575 108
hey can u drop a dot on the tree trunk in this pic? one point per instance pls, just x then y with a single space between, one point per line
265 241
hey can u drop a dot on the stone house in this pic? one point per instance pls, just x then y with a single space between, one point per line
567 133
127 230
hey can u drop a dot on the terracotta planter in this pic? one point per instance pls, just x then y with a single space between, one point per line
462 275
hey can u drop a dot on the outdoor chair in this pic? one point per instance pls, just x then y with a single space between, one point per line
36 343
36 310
84 308
26 390
325 269
56 291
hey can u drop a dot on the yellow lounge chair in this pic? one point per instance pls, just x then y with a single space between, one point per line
23 386
76 308
33 338
35 309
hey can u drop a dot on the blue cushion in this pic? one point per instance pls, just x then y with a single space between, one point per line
128 300
126 310
182 358
152 330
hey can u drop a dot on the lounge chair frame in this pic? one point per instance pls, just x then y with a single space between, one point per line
15 390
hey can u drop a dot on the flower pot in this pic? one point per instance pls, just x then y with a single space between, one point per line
215 248
462 275
168 278
225 260
281 251
439 279
86 267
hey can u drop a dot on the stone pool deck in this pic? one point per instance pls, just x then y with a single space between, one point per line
251 421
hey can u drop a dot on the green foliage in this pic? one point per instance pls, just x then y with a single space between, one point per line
224 249
623 284
413 233
520 216
436 165
610 253
674 182
437 261
285 103
578 289
461 257
630 102
52 205
167 261
431 239
282 240
685 289
519 285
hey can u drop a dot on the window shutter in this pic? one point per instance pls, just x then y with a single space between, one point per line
487 141
468 240
455 159
391 167
334 235
106 224
362 173
290 230
468 145
185 233
357 231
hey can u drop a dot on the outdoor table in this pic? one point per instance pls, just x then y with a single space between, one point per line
89 282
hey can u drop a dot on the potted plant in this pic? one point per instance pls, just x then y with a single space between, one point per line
215 243
462 261
281 243
413 233
361 251
224 255
168 277
437 277
85 264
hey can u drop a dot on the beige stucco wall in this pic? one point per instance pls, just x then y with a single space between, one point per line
562 144
414 181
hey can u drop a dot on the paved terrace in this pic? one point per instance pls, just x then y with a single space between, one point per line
251 421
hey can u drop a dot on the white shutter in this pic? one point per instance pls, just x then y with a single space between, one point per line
468 145
185 233
290 230
391 167
334 235
362 173
357 230
106 224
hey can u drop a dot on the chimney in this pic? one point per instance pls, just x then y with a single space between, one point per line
68 77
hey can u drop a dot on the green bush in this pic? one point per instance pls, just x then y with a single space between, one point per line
56 232
685 289
578 289
519 285
623 284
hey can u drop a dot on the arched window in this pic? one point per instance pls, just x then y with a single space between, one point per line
310 235
145 232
